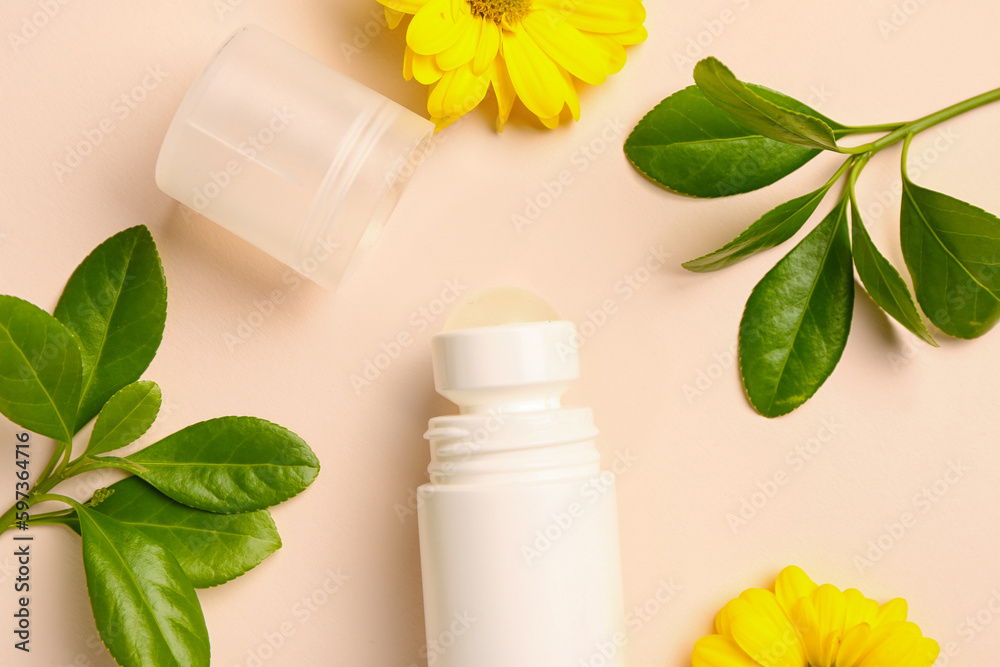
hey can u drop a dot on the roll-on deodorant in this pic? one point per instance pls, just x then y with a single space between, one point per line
518 526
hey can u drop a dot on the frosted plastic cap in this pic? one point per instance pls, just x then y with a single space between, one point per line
289 154
519 366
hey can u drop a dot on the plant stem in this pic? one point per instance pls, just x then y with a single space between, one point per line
859 164
44 480
869 129
840 171
57 455
921 124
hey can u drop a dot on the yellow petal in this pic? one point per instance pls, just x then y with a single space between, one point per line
535 77
550 123
404 6
572 97
487 48
393 17
859 608
767 635
437 25
724 619
503 88
570 48
457 93
425 69
463 50
892 611
792 583
603 16
853 645
630 37
717 651
831 609
408 64
924 654
441 123
890 644
614 53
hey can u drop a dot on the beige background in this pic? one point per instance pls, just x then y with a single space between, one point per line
659 373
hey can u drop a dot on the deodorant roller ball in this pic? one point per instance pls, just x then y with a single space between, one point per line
500 305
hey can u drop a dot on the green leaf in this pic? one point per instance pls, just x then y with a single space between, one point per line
229 464
745 105
686 144
116 304
952 250
39 370
211 548
146 609
797 319
771 229
882 281
126 416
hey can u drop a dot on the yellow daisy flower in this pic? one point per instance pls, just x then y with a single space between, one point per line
801 624
535 50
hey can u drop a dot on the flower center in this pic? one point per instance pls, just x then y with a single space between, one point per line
500 11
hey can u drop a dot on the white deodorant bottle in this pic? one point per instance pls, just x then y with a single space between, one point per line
519 541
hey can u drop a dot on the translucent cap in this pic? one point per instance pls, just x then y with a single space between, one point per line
289 154
505 349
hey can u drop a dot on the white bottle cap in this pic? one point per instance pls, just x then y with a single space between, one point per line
289 154
510 353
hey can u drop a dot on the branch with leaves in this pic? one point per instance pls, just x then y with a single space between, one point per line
723 137
193 512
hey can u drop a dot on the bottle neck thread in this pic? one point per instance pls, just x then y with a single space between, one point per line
497 447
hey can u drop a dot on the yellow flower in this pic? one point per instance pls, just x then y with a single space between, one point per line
535 50
801 624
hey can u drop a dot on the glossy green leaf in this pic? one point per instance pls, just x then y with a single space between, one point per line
146 610
952 250
797 319
746 106
116 304
211 548
229 464
126 416
686 144
771 229
39 370
882 281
